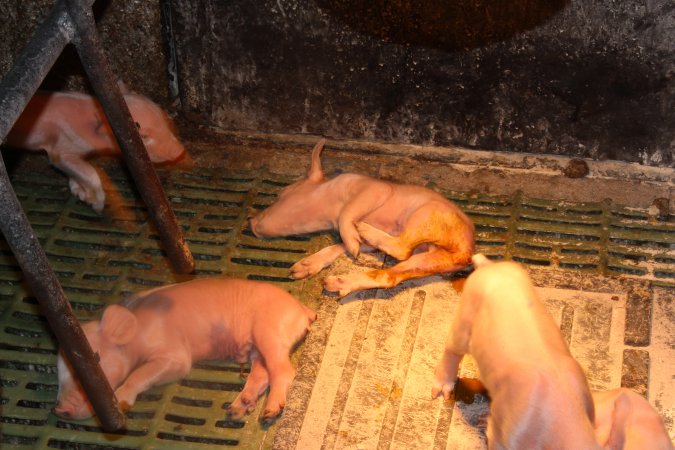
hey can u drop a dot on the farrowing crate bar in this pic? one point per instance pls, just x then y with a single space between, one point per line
72 21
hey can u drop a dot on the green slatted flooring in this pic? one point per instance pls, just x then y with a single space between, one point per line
99 258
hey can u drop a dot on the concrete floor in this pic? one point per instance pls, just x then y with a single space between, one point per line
372 383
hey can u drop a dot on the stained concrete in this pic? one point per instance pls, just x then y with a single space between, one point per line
560 77
372 381
573 78
130 31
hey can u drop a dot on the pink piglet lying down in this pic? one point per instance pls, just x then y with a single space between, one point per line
71 126
154 337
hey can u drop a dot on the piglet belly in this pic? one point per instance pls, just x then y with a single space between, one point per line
219 342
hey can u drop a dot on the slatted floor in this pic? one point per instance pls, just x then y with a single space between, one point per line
100 258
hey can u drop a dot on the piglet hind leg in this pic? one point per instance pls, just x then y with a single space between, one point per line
256 383
281 374
391 245
433 223
436 260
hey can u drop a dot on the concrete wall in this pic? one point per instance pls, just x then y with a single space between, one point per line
570 77
130 29
580 78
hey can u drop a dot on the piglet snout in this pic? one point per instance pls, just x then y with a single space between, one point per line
74 410
62 412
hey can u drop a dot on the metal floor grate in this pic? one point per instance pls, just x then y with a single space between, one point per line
99 259
594 237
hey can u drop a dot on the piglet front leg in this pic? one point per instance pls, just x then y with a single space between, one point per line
154 372
445 375
84 181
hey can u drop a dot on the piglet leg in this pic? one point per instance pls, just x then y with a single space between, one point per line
368 197
445 374
432 223
256 383
83 179
281 372
152 373
436 260
314 263
456 346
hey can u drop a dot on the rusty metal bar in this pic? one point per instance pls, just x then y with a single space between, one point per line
73 21
54 305
31 67
16 89
105 86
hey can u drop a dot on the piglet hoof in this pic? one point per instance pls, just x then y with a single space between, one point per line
305 268
238 411
124 406
92 196
442 387
270 415
242 405
337 284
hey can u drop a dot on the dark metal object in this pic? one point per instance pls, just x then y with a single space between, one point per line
54 305
105 86
72 20
170 45
32 65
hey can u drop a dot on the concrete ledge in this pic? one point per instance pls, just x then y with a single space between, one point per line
452 168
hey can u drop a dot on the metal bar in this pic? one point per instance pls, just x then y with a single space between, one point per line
54 305
105 87
16 89
32 65
170 46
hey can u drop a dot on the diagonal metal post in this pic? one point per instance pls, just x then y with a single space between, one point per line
55 306
73 21
16 89
108 93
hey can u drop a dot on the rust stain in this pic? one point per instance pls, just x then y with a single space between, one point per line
458 284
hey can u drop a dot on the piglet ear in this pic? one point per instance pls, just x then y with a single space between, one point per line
118 324
315 173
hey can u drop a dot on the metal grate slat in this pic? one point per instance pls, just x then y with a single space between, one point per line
97 266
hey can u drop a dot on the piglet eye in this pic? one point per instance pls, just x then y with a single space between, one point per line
138 125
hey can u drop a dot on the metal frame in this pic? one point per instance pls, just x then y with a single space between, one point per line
73 21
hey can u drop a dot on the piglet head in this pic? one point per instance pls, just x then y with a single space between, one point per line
108 338
290 214
156 129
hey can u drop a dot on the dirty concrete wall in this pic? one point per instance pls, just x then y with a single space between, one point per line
131 31
570 77
578 78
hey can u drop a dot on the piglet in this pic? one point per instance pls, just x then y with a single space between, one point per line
70 126
539 395
154 337
426 232
624 420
